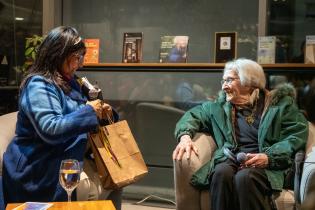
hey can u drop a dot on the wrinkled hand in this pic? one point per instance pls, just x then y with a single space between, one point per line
186 145
256 160
101 109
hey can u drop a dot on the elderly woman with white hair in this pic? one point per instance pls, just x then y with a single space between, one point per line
257 133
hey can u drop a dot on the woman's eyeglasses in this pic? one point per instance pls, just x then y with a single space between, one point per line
80 58
228 80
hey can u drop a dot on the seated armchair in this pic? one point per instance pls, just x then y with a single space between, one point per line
189 198
7 132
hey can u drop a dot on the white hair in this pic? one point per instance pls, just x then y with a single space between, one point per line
183 39
251 74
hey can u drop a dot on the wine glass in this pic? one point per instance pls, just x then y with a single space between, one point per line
69 175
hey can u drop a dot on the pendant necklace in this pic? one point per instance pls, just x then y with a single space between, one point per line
250 117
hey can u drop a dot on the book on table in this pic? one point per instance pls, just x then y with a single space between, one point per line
174 49
132 47
33 206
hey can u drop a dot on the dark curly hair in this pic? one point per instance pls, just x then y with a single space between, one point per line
60 43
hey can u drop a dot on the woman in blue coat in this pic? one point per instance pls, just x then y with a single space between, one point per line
53 121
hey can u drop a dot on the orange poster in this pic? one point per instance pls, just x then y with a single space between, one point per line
92 50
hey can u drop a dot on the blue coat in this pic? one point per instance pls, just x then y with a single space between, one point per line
51 126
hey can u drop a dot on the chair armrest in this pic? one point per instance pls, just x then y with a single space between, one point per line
298 160
311 138
307 186
187 197
7 132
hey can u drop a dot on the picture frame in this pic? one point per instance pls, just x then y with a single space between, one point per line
225 46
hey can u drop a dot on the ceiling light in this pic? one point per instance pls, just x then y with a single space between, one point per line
19 18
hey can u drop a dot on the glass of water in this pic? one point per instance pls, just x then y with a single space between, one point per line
69 175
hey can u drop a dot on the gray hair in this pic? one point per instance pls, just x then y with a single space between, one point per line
251 74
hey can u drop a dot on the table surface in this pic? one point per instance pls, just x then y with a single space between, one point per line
74 205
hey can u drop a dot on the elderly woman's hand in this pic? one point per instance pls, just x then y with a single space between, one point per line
185 145
256 160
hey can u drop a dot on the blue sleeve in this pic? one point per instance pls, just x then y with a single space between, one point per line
42 103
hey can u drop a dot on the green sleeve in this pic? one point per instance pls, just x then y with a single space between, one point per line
293 136
195 120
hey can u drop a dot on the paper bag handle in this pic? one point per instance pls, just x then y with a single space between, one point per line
110 118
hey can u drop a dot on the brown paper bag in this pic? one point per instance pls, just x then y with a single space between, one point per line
117 156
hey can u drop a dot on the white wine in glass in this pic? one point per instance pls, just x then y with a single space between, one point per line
69 175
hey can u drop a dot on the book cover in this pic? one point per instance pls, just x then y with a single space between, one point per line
132 47
266 52
33 206
174 49
309 49
92 51
225 46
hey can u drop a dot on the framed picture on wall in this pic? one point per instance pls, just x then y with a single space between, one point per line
225 46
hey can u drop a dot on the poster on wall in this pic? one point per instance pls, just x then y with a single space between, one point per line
225 46
174 49
310 49
92 51
132 47
266 52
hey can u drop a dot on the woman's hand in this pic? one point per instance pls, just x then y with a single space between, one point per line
107 111
256 160
102 110
97 106
185 145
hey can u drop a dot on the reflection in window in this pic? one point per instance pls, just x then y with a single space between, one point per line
291 21
19 19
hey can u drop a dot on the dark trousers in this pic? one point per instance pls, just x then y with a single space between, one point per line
245 189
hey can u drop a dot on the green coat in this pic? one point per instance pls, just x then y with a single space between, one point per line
283 131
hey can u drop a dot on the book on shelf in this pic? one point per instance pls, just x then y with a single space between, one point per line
266 51
132 47
309 49
225 46
92 51
174 49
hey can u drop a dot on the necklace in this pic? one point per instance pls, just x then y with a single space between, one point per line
249 113
250 118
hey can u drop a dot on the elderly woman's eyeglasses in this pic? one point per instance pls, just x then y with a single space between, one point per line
228 80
